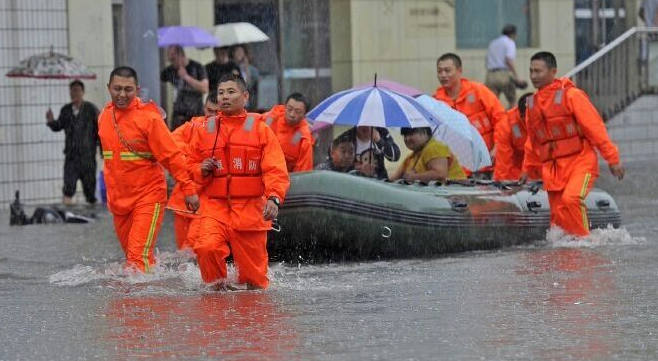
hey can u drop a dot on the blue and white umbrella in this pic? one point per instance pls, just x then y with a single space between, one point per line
458 133
373 106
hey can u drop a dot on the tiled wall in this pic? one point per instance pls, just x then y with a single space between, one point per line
31 156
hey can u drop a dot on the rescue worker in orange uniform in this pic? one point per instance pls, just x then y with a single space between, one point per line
480 105
243 172
288 122
136 145
510 143
183 218
563 130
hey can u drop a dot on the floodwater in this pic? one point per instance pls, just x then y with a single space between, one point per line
64 296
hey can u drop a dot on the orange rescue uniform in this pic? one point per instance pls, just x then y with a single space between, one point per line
510 147
136 144
251 169
481 107
183 219
563 130
296 141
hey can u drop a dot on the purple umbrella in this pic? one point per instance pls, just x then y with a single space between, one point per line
185 36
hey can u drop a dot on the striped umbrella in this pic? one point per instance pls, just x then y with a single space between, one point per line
372 106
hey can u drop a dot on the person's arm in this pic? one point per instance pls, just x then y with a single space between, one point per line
398 172
437 170
592 127
504 151
531 162
274 172
201 84
305 160
510 55
167 153
273 166
94 119
386 145
61 122
494 110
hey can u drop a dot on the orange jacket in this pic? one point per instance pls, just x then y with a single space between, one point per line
510 142
480 106
183 136
136 178
550 107
256 145
296 141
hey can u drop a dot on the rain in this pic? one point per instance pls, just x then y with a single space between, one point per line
359 268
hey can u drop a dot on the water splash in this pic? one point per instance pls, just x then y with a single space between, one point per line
609 236
169 265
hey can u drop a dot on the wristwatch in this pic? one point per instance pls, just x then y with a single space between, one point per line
275 200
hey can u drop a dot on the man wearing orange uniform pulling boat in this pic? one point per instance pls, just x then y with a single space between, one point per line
563 130
184 219
475 100
136 145
243 172
289 124
510 143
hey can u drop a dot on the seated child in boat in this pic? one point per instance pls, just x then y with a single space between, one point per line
431 160
341 156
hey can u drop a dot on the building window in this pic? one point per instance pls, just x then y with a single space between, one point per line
478 22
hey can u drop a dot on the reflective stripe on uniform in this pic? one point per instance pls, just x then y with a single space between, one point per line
296 138
249 124
470 97
130 156
210 125
583 208
558 97
269 121
107 154
516 131
149 238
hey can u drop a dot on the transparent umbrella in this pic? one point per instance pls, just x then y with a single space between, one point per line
51 65
239 33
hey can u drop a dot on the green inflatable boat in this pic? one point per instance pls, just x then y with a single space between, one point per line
336 216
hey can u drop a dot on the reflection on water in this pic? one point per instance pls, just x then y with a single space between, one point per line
573 295
64 296
227 326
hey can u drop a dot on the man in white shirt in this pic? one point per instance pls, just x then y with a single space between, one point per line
501 73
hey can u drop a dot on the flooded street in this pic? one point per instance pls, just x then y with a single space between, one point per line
64 296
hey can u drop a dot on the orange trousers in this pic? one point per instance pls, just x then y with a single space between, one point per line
249 249
137 232
568 209
184 228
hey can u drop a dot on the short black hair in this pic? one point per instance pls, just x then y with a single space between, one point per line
410 131
178 49
234 78
522 104
77 82
125 72
340 140
451 56
212 96
546 57
509 30
300 98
